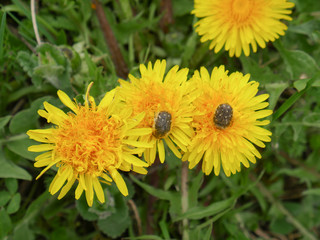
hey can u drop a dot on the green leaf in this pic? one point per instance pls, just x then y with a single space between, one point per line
190 48
234 231
63 233
195 185
300 173
173 197
315 142
85 211
164 229
20 147
275 90
307 5
161 194
12 185
210 185
4 198
10 170
4 121
73 57
18 124
313 191
14 204
181 7
208 233
306 28
261 74
302 83
52 73
206 211
28 62
22 231
281 226
125 29
36 206
51 54
115 224
2 28
29 91
295 97
126 9
261 199
148 237
299 64
5 223
55 67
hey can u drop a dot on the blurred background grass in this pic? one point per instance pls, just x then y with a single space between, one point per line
277 198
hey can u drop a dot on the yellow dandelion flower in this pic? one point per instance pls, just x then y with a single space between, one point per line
166 101
237 24
88 145
228 121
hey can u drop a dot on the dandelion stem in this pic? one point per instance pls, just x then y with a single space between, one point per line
136 215
34 22
116 55
184 199
167 18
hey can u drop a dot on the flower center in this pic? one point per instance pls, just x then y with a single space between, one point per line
223 116
162 124
89 141
241 10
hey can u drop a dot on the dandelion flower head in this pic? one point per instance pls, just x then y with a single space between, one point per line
166 101
228 121
237 24
89 145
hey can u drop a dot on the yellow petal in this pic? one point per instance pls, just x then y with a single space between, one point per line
134 160
64 98
98 189
41 148
67 187
139 132
82 181
106 177
153 152
137 144
44 156
55 115
79 191
135 120
172 147
161 150
43 162
139 170
119 181
42 135
46 169
106 100
62 174
89 191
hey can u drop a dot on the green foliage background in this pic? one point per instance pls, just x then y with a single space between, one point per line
277 198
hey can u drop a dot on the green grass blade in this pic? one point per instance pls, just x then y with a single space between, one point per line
2 28
295 97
